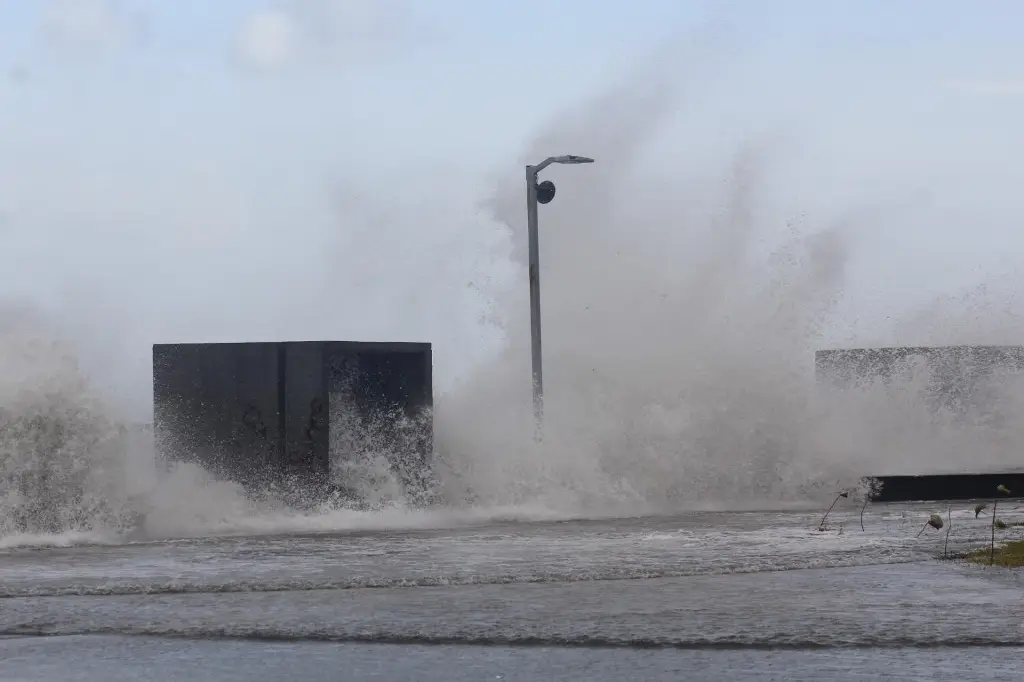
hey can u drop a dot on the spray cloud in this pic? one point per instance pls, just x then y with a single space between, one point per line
682 309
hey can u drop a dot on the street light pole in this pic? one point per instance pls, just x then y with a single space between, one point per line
539 194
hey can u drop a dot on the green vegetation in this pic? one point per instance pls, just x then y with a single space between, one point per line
1009 554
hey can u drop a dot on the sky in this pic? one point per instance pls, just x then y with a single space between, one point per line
251 170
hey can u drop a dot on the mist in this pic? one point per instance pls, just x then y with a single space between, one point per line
686 285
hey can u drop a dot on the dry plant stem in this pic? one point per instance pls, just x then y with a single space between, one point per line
821 526
863 507
949 527
992 545
1003 490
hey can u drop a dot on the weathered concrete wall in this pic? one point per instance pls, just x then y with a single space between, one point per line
957 373
847 364
259 413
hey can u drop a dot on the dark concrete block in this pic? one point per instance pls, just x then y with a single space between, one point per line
951 487
264 413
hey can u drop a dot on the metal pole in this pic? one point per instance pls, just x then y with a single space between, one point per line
531 219
534 258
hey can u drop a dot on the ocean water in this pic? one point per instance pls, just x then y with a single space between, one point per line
754 595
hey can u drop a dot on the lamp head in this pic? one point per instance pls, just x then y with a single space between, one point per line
571 159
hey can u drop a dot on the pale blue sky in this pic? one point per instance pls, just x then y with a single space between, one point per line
141 157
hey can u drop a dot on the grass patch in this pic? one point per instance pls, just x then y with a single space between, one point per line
1009 554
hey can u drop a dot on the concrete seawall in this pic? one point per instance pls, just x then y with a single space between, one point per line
948 487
